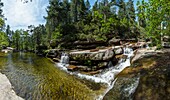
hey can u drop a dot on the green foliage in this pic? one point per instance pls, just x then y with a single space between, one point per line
151 16
16 39
3 39
82 23
1 24
70 20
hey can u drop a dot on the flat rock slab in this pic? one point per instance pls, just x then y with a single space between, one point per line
103 54
6 92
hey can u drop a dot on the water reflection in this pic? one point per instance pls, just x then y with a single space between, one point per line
37 78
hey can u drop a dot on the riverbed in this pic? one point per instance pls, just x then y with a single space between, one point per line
34 77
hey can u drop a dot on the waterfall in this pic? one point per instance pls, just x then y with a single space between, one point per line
147 46
127 51
107 77
64 58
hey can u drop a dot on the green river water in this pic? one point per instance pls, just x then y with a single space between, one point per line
37 78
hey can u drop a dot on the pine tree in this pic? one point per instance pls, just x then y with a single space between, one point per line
95 6
81 10
87 4
122 10
131 11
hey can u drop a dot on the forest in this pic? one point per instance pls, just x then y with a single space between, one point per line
68 21
109 50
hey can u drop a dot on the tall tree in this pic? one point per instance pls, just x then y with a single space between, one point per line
2 23
87 4
122 10
131 11
16 39
82 11
157 13
141 8
95 6
74 10
3 36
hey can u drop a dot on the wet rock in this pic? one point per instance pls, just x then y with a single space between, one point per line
102 65
56 59
92 72
123 89
114 61
153 71
118 50
108 54
119 57
72 68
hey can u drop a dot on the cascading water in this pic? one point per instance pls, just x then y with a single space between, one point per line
107 77
64 58
147 46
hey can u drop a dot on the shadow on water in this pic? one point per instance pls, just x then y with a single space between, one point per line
37 78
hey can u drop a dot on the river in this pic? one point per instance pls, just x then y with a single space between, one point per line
37 78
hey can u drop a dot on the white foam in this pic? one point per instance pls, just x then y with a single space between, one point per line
105 77
131 89
64 58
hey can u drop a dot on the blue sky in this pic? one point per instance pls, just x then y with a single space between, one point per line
21 15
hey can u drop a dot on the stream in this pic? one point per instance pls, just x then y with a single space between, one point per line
34 77
37 78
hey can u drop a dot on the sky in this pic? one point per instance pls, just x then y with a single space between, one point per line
21 15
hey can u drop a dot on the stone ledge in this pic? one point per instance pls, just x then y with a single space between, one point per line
6 92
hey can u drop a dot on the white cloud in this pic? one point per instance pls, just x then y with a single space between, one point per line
21 15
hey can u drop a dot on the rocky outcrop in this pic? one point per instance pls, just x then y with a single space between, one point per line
72 68
153 84
137 45
95 59
6 92
118 50
90 60
115 42
165 41
100 55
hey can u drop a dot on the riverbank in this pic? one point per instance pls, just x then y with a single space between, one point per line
6 91
147 77
56 78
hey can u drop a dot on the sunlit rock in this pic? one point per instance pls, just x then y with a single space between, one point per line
87 55
72 68
114 41
118 50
